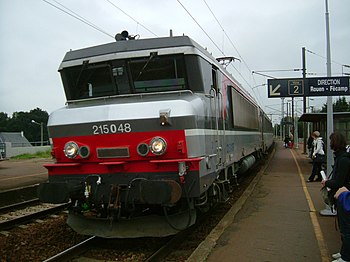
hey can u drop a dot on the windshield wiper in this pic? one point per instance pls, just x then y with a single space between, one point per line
83 67
152 55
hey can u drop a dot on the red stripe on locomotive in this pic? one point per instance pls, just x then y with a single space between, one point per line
176 151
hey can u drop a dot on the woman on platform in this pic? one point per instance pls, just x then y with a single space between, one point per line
317 154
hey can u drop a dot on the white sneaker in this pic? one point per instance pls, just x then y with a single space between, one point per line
336 255
339 260
328 212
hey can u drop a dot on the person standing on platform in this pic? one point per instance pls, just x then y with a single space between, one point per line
317 155
286 141
343 208
310 145
340 179
291 140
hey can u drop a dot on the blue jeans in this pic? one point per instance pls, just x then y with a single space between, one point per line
344 226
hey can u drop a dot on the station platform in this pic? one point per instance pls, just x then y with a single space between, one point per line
21 173
279 219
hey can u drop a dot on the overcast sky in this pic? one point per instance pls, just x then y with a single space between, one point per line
267 35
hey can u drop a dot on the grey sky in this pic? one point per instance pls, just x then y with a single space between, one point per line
267 34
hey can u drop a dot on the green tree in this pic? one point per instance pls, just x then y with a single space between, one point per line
341 105
39 116
3 122
23 121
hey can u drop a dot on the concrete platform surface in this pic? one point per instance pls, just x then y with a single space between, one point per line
279 221
20 173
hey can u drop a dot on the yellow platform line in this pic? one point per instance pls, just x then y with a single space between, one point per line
316 225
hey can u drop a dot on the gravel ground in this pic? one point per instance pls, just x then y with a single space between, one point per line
38 241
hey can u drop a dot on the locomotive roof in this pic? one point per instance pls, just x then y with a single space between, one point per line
139 45
132 45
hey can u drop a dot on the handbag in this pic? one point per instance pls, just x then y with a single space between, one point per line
328 196
320 158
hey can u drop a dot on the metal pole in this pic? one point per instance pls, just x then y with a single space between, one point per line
295 139
296 126
282 110
42 133
289 118
329 98
305 135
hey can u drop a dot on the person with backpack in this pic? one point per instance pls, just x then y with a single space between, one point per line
318 157
339 179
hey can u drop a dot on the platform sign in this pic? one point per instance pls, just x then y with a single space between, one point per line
315 86
285 87
329 86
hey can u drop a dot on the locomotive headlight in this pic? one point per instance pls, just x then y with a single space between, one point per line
158 146
71 149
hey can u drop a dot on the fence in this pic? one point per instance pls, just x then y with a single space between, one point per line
2 151
15 149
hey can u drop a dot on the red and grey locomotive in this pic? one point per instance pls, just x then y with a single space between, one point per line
153 131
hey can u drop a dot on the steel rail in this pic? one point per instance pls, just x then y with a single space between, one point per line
31 216
73 251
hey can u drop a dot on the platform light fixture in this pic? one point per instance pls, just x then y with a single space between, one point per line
41 124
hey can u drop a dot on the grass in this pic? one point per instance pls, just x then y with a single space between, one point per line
44 154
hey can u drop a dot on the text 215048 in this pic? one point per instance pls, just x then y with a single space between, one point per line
111 128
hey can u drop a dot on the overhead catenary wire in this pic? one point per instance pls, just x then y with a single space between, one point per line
214 43
205 32
228 37
259 98
76 16
323 57
68 11
125 13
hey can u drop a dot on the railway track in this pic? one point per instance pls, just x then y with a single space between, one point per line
55 241
73 251
83 247
24 212
175 248
18 195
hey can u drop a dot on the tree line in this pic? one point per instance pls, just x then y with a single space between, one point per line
28 122
341 105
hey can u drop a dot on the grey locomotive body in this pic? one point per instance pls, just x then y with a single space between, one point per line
153 131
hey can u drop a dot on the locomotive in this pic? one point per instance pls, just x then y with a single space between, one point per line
153 132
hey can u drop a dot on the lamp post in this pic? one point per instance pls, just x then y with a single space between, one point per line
329 98
41 131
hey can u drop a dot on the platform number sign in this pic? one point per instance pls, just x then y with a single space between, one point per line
312 86
295 87
286 87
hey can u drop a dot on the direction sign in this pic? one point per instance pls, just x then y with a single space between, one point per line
329 86
315 86
285 87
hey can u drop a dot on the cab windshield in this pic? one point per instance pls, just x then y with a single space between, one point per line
140 75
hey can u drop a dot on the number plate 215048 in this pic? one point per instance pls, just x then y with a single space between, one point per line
111 128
